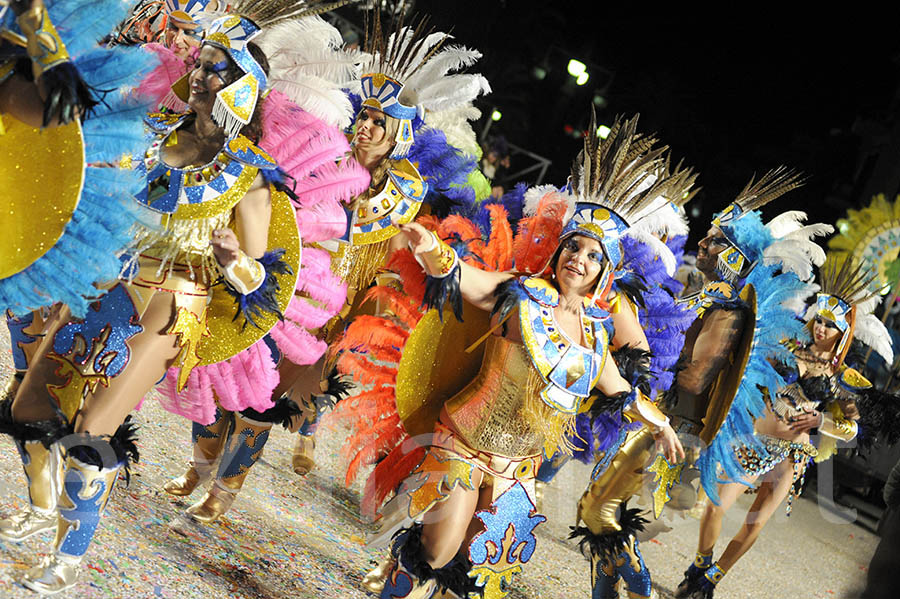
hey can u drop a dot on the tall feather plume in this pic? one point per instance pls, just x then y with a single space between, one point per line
775 183
268 13
846 281
625 173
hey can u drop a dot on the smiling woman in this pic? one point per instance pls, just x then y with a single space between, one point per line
544 358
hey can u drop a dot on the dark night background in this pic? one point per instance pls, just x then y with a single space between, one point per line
732 95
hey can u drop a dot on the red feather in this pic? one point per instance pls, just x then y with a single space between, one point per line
365 371
398 303
465 230
388 475
538 235
404 264
499 250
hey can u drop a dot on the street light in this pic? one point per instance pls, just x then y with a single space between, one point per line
496 115
576 68
603 131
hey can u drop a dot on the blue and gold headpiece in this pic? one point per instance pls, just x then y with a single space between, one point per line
190 12
395 58
382 92
834 309
741 222
615 180
236 103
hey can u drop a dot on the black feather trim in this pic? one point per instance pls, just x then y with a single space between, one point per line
284 410
68 95
632 285
438 291
610 543
337 387
46 431
265 298
409 550
634 366
83 447
670 397
508 296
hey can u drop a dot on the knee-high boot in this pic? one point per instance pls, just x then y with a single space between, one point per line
244 445
43 472
36 442
312 410
92 465
412 577
610 527
208 441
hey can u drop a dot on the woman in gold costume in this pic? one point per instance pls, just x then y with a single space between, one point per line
410 137
464 510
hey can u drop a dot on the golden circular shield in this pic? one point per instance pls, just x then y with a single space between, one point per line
42 171
435 366
228 336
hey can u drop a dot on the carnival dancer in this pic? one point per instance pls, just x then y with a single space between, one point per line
755 275
473 476
821 394
303 119
412 120
212 207
51 109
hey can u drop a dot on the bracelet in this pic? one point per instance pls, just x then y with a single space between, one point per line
245 274
44 46
439 259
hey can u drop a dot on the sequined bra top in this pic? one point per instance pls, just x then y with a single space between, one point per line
800 395
183 206
524 388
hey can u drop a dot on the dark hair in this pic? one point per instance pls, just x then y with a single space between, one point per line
254 129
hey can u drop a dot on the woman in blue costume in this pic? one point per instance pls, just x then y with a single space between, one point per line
546 350
211 207
55 122
820 392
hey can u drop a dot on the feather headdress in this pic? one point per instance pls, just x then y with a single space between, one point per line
741 221
231 33
621 182
413 60
846 299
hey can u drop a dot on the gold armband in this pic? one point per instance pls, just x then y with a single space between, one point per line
645 411
440 259
245 274
44 46
838 428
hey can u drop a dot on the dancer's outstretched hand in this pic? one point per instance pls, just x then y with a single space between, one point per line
418 237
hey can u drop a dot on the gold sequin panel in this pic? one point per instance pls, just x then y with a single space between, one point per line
490 413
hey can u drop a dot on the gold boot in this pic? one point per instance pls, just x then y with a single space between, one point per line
373 581
85 493
43 471
243 447
302 460
207 448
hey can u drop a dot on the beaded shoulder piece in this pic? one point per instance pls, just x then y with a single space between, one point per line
398 202
197 191
569 369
